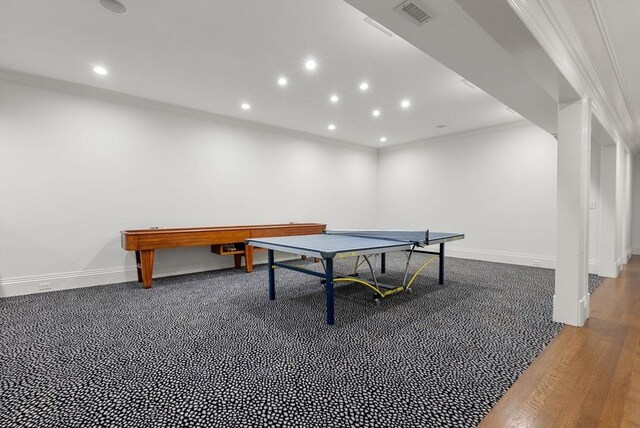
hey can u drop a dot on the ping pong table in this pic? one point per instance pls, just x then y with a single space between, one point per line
338 244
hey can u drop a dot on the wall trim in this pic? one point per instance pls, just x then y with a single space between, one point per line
611 270
458 135
523 259
18 286
41 82
63 281
619 264
551 24
93 277
613 58
627 255
64 275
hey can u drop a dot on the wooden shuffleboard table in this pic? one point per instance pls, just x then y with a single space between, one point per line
224 240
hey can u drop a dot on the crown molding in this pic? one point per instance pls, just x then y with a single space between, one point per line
558 40
41 82
551 24
613 58
463 134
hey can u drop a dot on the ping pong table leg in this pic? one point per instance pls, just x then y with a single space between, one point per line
272 276
329 290
383 262
441 263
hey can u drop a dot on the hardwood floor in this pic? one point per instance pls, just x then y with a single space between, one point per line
586 377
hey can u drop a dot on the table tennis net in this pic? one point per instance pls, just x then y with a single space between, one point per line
421 236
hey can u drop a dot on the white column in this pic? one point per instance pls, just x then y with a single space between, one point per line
571 299
620 206
608 208
635 200
628 207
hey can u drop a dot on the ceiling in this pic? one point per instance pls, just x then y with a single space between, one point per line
215 55
532 55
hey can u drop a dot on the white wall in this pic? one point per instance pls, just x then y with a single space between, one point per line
623 203
635 197
75 170
497 186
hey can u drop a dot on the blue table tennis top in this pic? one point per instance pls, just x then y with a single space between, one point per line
343 243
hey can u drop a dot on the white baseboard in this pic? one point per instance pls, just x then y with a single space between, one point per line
627 255
92 277
636 251
523 259
563 313
19 286
63 281
610 270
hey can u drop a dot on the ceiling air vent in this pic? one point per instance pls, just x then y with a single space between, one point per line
415 11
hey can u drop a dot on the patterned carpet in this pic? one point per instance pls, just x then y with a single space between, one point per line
210 349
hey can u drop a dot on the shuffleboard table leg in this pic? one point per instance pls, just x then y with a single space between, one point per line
248 257
329 290
272 276
138 267
237 260
441 281
146 266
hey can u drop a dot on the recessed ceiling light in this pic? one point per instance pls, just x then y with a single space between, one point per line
245 106
383 139
334 98
405 103
331 127
364 86
310 64
376 113
441 126
98 69
113 6
282 81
